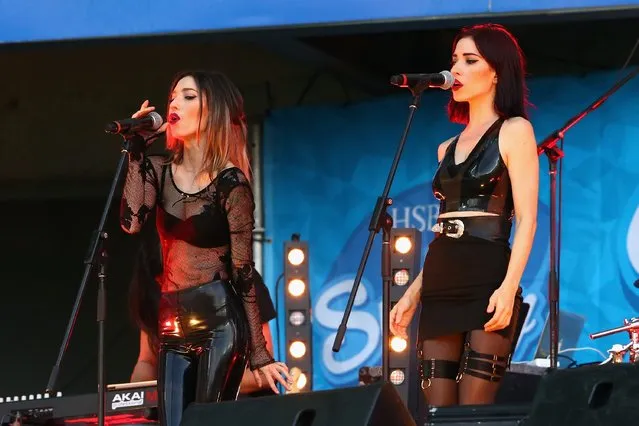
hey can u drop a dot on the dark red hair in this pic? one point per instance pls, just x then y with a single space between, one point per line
502 52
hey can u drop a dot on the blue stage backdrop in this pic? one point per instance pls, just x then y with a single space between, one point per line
46 20
325 166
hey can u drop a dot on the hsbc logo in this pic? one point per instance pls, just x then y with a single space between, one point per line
127 399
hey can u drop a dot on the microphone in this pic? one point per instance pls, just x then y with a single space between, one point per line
152 121
444 80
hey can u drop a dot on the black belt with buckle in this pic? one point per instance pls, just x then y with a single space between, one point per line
493 228
453 228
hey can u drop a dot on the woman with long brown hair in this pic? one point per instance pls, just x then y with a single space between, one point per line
209 323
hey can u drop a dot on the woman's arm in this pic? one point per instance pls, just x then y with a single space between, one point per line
523 167
140 187
146 365
239 210
414 291
249 384
519 148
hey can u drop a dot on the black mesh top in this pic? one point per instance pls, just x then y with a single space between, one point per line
479 183
205 236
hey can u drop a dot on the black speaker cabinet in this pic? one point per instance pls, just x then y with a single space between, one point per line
590 395
473 415
371 405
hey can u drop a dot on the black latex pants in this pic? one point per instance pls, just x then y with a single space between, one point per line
204 339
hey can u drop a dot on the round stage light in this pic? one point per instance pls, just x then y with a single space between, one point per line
403 245
397 377
302 381
296 287
297 349
297 318
295 256
398 344
401 277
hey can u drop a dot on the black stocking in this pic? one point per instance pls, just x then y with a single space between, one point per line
483 366
440 365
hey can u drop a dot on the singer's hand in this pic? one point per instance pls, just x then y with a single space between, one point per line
274 371
144 110
402 314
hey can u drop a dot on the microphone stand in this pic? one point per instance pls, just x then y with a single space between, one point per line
96 254
549 147
381 220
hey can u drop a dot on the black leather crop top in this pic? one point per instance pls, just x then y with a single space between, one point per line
480 183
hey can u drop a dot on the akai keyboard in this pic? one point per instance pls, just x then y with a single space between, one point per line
126 403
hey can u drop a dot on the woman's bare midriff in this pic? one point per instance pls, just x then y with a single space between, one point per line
465 214
187 266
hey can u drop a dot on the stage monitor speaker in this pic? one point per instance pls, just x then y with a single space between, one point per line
590 395
473 415
377 404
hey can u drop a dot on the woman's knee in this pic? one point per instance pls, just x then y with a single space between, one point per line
439 369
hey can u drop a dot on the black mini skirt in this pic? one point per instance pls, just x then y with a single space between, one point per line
459 276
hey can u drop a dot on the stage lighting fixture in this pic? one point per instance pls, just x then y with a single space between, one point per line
405 262
297 305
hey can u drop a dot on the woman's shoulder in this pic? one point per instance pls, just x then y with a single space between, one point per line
234 173
156 162
444 145
233 186
517 135
232 177
516 125
441 149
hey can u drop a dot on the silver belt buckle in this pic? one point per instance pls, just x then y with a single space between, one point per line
438 227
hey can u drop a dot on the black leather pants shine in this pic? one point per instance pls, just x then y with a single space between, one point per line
204 339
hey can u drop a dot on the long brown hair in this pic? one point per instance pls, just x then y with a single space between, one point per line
226 130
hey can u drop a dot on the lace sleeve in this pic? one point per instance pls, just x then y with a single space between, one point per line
239 208
140 188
